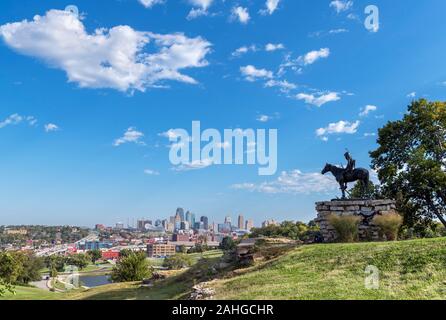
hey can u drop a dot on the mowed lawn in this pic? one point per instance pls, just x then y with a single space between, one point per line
30 293
407 270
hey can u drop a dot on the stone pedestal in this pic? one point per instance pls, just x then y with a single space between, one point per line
366 209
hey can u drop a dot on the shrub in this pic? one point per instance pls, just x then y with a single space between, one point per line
132 267
389 225
345 226
178 261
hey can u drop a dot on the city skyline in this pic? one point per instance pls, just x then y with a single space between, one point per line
85 122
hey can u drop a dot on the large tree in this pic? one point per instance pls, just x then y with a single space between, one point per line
411 161
133 266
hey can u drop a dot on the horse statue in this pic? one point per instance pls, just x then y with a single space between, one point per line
345 176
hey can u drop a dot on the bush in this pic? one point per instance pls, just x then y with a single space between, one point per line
345 226
178 261
132 267
389 225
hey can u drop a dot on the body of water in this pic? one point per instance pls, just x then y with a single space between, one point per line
94 281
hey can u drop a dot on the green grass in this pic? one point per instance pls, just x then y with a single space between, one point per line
408 270
177 286
30 293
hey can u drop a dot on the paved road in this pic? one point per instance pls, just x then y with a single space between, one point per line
41 284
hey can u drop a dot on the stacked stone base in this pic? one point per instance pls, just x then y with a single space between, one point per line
366 209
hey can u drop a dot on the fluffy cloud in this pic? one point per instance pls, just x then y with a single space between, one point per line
265 118
271 7
293 182
195 165
16 119
341 127
318 100
367 110
274 47
412 95
51 127
243 50
241 14
150 3
115 58
201 8
251 73
130 136
283 85
312 56
341 5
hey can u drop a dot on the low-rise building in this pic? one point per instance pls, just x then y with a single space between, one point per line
160 250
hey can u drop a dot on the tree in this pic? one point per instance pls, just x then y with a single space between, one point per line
31 268
95 255
411 161
133 266
227 244
178 261
358 192
79 260
10 267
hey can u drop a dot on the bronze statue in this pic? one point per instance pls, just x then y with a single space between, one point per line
349 174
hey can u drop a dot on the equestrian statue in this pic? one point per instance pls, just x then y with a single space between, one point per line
349 174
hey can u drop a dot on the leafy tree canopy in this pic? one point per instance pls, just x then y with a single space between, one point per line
411 161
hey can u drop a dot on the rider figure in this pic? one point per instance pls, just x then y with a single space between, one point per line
351 164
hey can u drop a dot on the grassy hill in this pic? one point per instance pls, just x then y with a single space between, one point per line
408 270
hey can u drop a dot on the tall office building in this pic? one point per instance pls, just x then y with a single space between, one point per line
249 225
241 222
180 212
205 222
190 217
228 220
178 221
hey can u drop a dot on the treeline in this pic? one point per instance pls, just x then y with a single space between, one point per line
289 229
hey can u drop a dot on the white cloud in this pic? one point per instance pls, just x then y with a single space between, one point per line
367 110
312 56
274 47
293 182
284 85
195 165
412 95
241 14
243 50
201 9
266 118
271 7
251 73
150 172
130 136
51 127
341 127
150 3
115 58
16 119
341 5
319 100
369 134
336 31
171 135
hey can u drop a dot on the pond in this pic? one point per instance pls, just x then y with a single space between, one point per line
94 281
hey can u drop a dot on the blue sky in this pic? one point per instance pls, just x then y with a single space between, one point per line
69 93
